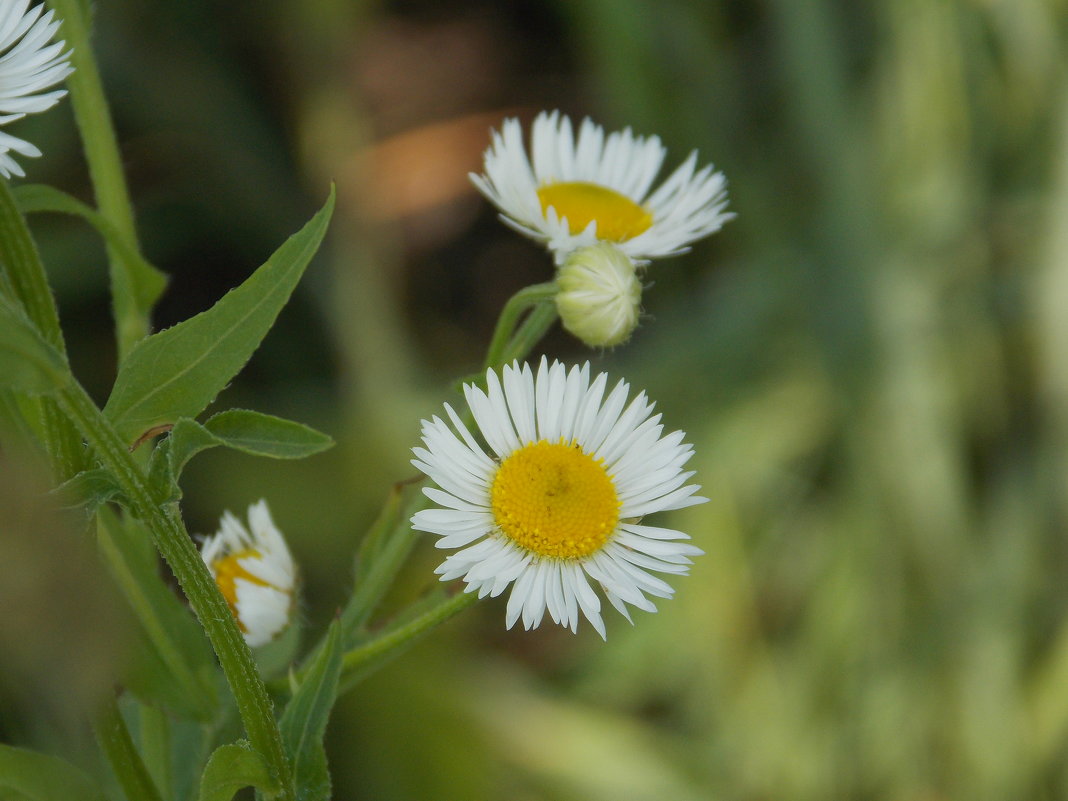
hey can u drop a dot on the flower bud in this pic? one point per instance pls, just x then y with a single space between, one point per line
255 573
599 295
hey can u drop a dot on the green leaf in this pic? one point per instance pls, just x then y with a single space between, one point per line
303 724
177 372
266 435
89 488
27 362
178 667
232 767
39 777
146 281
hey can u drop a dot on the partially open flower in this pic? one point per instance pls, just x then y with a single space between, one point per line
574 192
28 65
560 497
255 573
600 295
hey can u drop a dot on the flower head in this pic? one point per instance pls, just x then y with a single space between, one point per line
255 573
560 497
28 65
575 193
599 295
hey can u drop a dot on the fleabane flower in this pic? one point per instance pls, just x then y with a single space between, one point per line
574 192
255 573
558 499
599 295
28 66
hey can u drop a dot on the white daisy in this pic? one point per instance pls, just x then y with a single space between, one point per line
596 189
571 475
255 573
28 65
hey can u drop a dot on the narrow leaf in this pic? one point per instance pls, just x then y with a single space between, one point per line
27 362
232 767
303 724
177 642
146 281
39 777
178 372
266 435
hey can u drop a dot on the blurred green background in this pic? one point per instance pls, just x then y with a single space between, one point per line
871 360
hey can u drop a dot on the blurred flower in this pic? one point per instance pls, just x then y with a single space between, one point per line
576 194
28 65
255 573
600 295
562 499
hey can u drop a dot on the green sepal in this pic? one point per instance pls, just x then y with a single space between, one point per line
146 281
177 667
177 372
303 723
40 777
232 767
28 363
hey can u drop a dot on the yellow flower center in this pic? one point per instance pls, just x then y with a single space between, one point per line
555 500
618 217
228 570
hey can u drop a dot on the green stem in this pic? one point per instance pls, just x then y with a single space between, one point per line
530 333
105 167
156 747
506 323
373 653
25 279
117 745
174 543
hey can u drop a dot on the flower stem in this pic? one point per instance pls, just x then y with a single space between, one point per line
105 167
235 658
522 300
530 332
371 654
117 745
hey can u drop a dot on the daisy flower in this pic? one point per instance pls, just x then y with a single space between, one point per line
559 498
255 573
28 65
575 193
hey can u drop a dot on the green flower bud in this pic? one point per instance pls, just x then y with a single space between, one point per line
600 295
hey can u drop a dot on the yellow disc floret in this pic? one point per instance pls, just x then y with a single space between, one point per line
228 570
618 217
555 500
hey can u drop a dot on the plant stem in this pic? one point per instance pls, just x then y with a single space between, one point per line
530 333
177 548
117 745
105 167
506 323
357 662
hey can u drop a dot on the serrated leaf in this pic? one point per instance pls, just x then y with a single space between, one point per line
28 363
146 282
40 777
232 767
177 372
178 674
303 724
266 435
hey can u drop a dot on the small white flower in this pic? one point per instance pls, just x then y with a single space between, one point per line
571 475
28 65
576 193
255 573
599 297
